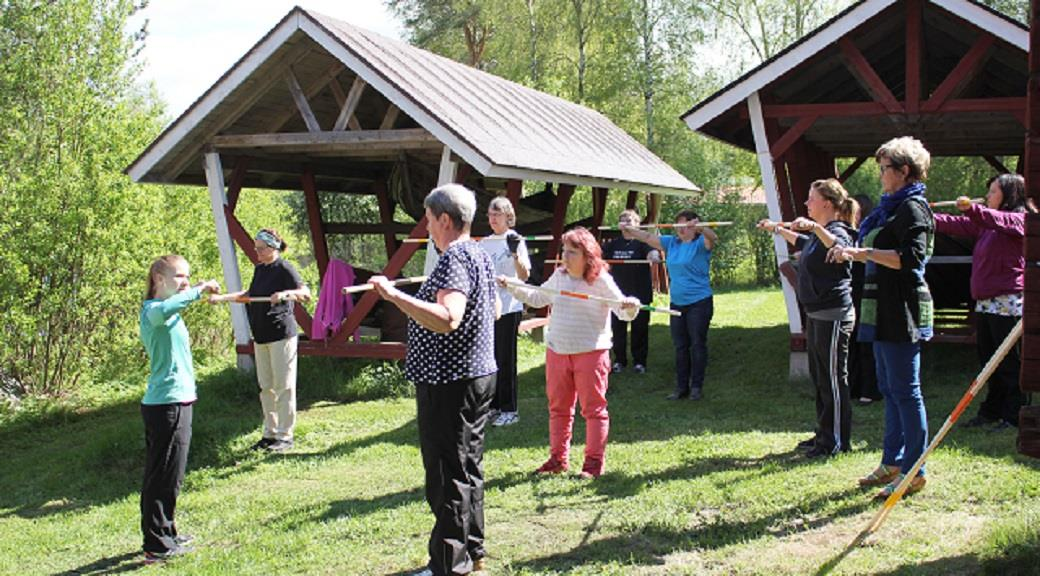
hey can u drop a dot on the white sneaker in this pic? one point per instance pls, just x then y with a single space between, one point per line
506 419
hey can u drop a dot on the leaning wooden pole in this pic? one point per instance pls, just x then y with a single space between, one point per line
976 385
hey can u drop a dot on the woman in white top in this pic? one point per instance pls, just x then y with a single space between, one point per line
577 355
509 254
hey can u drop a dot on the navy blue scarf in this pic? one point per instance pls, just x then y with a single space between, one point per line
887 207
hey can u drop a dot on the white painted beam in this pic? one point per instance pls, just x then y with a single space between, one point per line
228 260
765 164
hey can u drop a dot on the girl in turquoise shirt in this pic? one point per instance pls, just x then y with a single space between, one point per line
167 404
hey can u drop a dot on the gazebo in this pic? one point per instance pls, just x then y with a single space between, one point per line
952 73
321 105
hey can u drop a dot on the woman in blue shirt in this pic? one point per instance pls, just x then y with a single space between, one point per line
167 404
689 267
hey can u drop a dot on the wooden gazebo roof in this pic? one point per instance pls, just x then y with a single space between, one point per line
299 97
949 72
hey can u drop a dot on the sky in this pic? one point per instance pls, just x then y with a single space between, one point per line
191 43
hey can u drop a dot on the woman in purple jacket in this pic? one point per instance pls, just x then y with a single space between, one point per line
997 269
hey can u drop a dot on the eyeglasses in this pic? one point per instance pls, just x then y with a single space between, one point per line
883 167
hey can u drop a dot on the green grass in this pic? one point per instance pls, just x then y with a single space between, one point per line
691 488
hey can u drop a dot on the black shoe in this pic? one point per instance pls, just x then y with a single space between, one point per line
677 395
618 368
1001 426
696 394
152 557
262 444
807 444
280 446
978 421
817 452
639 369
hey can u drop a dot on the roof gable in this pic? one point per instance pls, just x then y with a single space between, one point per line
813 70
502 129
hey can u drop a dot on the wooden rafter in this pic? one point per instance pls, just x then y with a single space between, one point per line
848 172
390 118
350 105
793 134
391 270
336 142
312 90
914 10
302 105
996 164
868 77
962 74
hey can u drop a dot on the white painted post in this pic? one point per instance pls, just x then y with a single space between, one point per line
446 175
799 366
228 260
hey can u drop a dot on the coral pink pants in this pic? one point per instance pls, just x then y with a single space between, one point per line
570 377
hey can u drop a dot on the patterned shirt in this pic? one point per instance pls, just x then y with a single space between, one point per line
468 351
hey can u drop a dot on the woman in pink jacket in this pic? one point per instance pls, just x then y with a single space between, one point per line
997 269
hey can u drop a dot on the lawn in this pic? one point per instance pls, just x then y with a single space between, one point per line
710 487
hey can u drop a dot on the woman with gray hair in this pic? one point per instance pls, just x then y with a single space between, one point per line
450 360
509 254
895 243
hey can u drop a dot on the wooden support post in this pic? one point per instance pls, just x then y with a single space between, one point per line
632 200
314 221
599 207
912 79
514 191
238 177
1029 417
767 164
386 216
563 197
653 208
228 260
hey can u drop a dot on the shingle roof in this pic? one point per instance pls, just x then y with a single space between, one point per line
499 127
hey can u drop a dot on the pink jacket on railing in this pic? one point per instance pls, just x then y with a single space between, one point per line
997 261
333 305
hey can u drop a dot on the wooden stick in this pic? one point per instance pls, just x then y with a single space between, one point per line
583 296
369 286
258 300
615 261
948 203
683 225
528 238
976 385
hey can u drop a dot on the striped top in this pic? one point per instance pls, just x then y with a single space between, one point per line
576 325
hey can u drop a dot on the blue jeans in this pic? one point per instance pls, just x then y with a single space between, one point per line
906 423
690 336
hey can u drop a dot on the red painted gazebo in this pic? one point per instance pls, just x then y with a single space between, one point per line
319 105
949 72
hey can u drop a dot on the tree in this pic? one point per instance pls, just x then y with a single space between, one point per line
78 235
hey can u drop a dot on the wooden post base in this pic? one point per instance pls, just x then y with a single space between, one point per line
1029 431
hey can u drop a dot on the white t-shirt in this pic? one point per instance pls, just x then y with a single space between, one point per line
497 248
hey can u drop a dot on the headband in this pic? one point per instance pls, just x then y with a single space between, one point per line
269 239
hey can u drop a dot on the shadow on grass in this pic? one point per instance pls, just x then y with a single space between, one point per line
650 544
128 562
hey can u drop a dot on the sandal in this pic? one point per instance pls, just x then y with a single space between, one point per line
916 485
883 474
